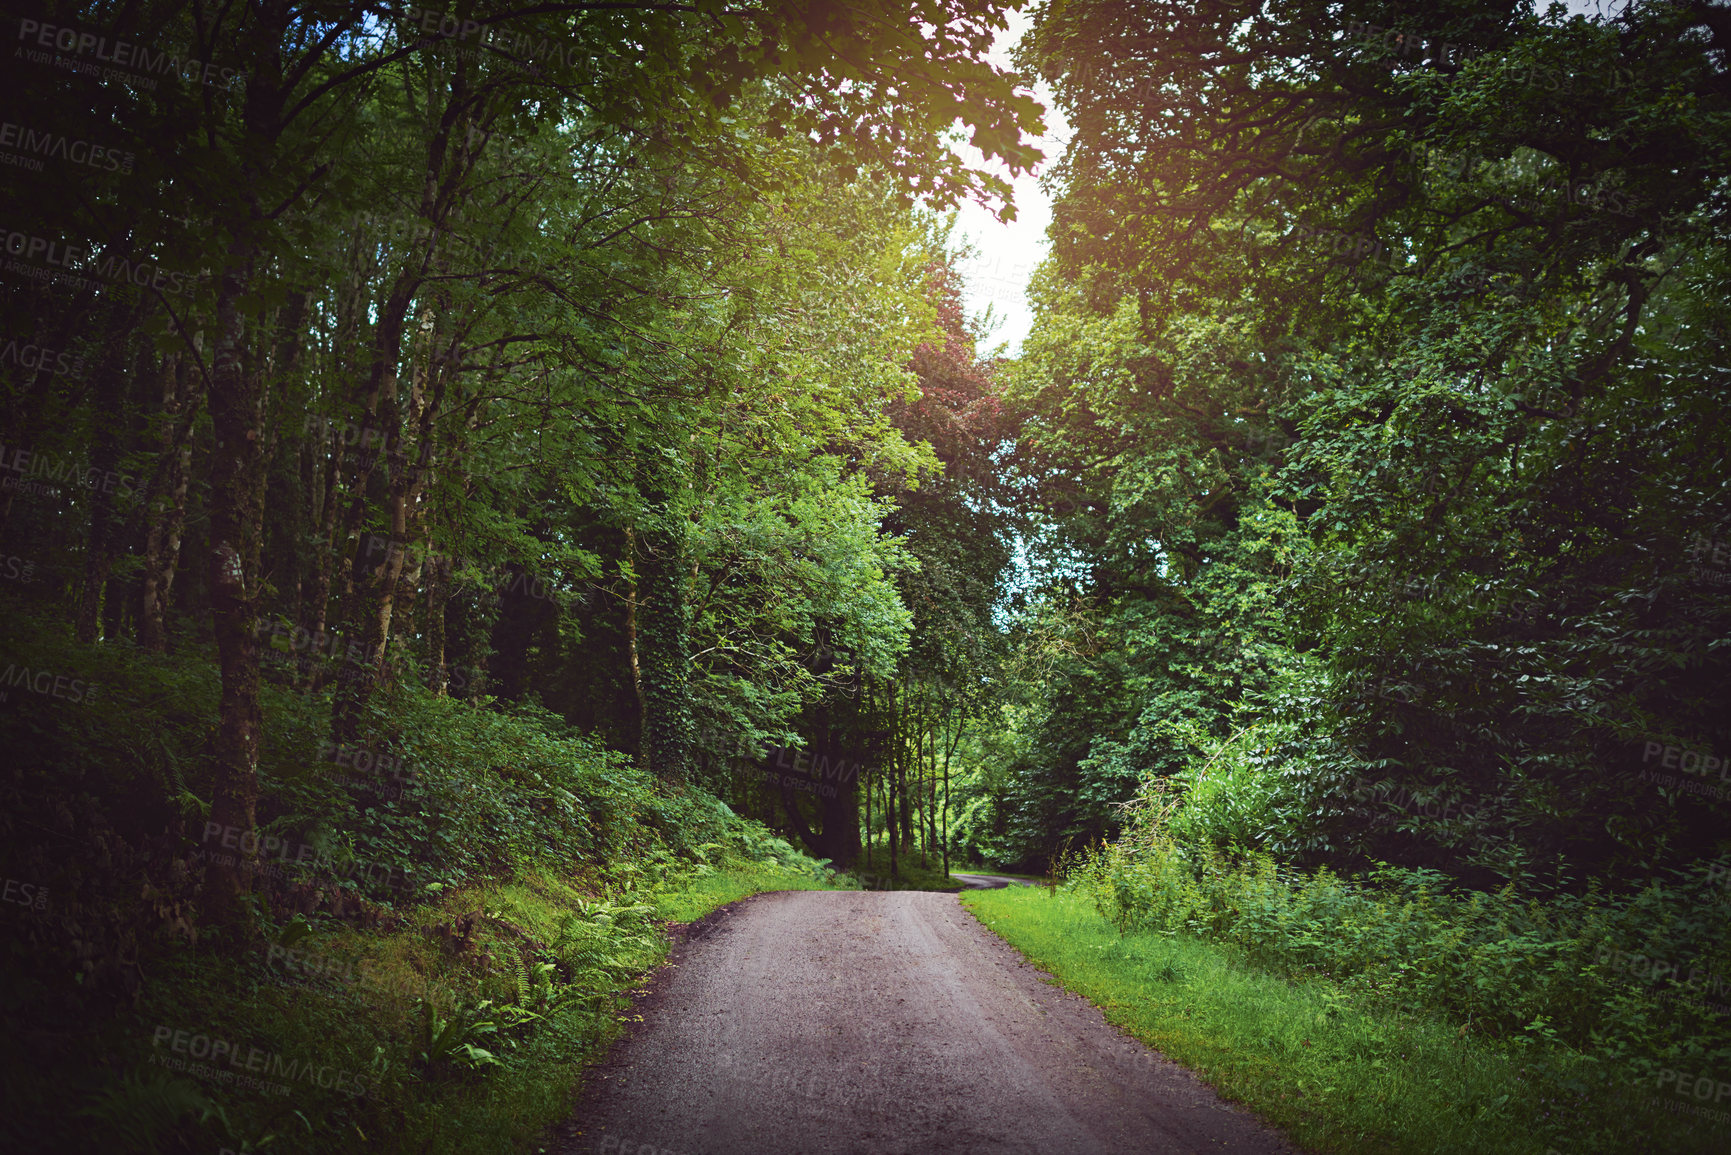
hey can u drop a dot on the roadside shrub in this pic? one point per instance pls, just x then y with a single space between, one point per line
1642 976
1231 790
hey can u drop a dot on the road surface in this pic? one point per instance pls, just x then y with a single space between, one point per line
990 881
883 1023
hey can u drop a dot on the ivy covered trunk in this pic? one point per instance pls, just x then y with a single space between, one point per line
166 516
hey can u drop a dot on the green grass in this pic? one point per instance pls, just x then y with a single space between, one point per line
1333 1075
697 898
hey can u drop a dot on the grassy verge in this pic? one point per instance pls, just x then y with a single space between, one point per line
702 895
1309 1059
449 918
464 1027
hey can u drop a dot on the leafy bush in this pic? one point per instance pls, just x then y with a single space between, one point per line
1505 965
1231 794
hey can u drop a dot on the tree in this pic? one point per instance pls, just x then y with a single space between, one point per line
1325 307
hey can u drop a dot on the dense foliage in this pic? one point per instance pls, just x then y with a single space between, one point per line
463 469
1376 405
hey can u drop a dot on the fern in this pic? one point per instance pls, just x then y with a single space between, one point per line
519 980
139 1110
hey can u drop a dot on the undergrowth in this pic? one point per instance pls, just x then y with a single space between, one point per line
479 893
1596 992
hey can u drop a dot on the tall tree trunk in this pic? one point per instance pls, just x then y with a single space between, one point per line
907 751
869 832
352 309
890 824
409 459
102 528
438 595
236 519
838 793
442 564
318 601
167 514
407 614
795 816
631 649
373 578
946 829
23 413
448 165
949 749
933 815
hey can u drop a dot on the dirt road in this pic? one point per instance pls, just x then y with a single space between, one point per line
885 1022
989 881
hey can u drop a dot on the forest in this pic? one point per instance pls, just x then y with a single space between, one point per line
481 483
